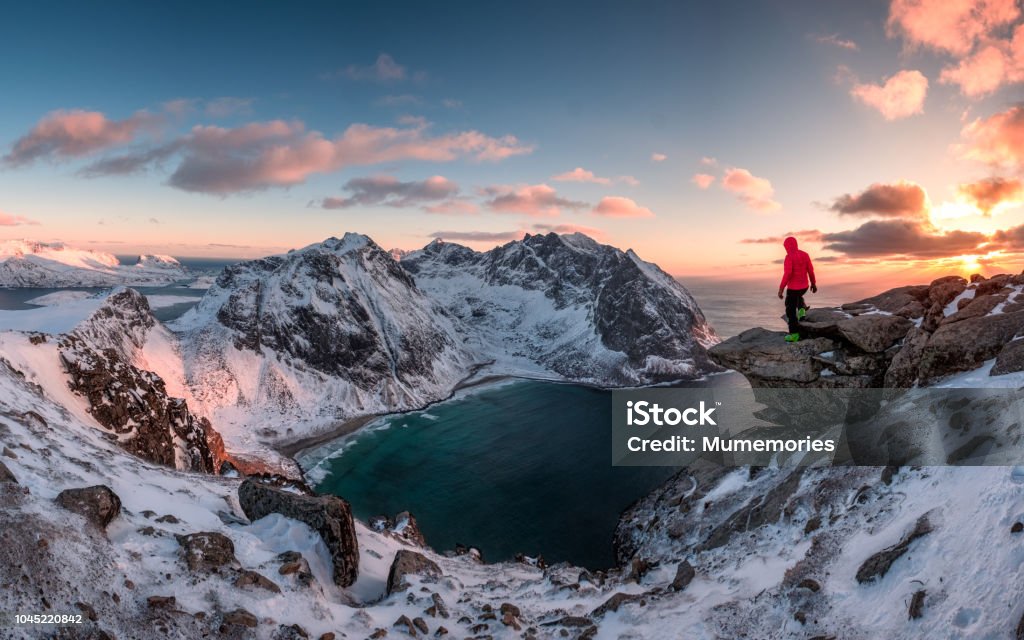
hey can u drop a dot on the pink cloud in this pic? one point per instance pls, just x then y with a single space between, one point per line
8 220
620 207
384 69
703 180
658 157
280 154
454 206
579 174
532 200
997 141
66 134
757 193
900 96
949 26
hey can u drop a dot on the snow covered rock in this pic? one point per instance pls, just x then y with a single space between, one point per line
38 264
328 332
406 563
207 551
330 516
99 356
99 505
584 310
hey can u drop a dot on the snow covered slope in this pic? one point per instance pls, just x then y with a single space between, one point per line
569 305
39 264
332 331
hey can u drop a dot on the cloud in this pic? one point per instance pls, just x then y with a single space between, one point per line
834 40
280 154
708 161
806 235
597 234
451 103
9 220
988 68
997 141
384 69
453 206
620 207
390 192
68 134
901 199
532 200
902 238
900 96
628 180
990 193
755 192
1012 238
949 26
479 236
579 174
128 163
702 180
658 157
154 221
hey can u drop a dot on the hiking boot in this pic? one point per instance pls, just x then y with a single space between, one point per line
801 312
792 337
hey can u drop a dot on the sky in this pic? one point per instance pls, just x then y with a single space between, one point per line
888 136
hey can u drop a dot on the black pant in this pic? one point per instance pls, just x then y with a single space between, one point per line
794 301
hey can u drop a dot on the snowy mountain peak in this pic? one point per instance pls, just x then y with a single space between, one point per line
25 263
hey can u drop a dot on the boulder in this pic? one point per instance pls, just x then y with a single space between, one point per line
6 475
975 307
878 564
98 504
254 579
891 301
902 371
406 563
330 516
874 333
207 551
684 576
1010 358
764 357
964 345
942 290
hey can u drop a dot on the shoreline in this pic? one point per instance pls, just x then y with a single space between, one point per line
292 449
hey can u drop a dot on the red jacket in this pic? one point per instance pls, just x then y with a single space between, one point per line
797 268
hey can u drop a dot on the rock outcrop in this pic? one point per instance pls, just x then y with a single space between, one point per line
903 337
330 516
408 562
132 402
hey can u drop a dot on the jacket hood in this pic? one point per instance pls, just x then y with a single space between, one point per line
790 244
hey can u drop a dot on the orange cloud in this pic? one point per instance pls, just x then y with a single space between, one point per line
702 180
990 193
950 26
997 141
532 200
900 96
755 192
64 134
834 40
579 174
619 207
658 157
901 199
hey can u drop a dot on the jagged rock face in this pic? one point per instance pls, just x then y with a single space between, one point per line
899 338
609 316
330 331
330 516
132 402
344 307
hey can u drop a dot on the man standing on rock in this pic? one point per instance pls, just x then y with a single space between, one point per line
796 271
